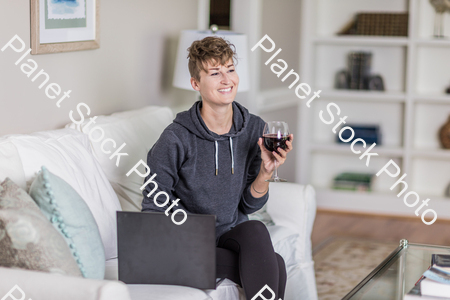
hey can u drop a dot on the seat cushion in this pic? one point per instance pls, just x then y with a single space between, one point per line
139 130
154 291
68 154
227 290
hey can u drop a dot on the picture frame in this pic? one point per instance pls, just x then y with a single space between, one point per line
64 25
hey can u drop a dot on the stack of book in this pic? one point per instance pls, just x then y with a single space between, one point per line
369 133
353 181
435 282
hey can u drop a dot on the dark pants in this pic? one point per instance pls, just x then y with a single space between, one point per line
245 255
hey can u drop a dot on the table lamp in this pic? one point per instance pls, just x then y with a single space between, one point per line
182 77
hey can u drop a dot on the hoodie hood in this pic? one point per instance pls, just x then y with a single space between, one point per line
193 121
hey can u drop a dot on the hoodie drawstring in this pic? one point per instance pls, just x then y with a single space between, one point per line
232 158
217 156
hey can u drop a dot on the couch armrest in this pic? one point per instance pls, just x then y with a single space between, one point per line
294 206
25 284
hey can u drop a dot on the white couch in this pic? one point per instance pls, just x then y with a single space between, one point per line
71 155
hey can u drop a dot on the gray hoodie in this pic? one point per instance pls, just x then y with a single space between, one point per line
209 173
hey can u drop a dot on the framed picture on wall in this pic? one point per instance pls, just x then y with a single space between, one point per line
64 25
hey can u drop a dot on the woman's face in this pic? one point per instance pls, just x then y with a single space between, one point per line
218 85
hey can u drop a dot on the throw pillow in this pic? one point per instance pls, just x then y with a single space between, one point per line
27 239
70 215
67 153
14 197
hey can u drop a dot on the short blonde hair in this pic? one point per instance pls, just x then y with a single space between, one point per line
211 49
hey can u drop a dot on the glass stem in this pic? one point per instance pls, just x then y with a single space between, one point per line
275 173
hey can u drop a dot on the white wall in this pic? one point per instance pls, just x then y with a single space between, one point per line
280 21
133 67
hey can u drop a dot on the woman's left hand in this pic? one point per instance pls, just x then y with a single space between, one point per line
268 158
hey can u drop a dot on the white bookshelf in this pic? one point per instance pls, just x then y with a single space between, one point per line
410 112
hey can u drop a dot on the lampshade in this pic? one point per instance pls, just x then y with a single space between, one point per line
182 77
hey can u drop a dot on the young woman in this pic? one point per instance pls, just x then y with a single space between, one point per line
212 157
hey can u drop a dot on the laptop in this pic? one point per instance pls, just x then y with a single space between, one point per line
154 250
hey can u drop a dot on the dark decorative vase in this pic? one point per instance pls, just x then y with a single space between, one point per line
444 135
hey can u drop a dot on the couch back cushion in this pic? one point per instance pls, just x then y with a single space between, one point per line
68 154
10 163
139 130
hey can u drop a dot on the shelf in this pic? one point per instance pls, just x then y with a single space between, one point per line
362 95
362 40
345 149
380 41
433 99
432 153
377 203
445 42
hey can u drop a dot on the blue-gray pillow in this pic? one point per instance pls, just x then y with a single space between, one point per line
71 216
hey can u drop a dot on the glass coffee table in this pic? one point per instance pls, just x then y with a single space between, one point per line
397 274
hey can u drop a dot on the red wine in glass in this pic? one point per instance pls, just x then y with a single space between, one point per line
272 142
275 135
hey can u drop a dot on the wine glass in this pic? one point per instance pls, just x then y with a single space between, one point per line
275 135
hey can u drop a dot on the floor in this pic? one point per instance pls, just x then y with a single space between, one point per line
344 262
381 228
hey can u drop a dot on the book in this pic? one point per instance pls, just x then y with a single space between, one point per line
369 133
437 277
430 287
416 293
353 181
440 260
438 274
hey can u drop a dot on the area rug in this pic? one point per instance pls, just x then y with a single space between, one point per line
341 263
